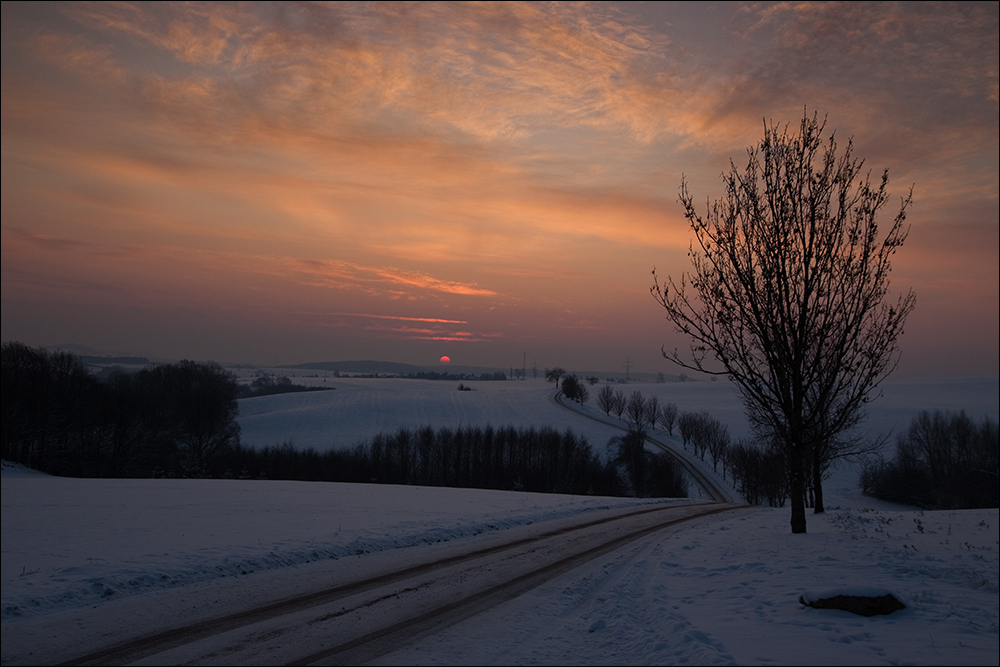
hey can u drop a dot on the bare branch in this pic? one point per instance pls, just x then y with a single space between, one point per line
788 291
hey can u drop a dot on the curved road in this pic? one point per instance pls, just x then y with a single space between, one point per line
711 488
357 621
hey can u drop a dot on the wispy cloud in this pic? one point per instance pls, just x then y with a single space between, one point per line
433 161
423 281
404 319
323 273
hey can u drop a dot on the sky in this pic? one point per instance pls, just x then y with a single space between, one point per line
283 183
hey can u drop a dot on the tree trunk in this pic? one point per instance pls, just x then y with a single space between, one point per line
797 491
817 472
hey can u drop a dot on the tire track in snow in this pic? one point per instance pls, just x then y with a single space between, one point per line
360 620
385 640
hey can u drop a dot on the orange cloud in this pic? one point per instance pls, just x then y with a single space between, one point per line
447 158
407 319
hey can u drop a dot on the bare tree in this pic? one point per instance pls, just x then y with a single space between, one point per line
686 424
652 411
606 399
620 402
635 410
717 441
668 415
205 410
700 428
789 292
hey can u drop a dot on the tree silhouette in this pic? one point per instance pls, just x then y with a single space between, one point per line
200 409
635 409
620 403
788 292
668 416
574 389
606 399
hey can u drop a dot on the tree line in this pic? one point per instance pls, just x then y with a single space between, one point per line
168 420
542 460
757 468
268 384
943 461
179 420
496 376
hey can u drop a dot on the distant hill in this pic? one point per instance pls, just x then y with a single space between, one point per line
396 368
370 366
365 366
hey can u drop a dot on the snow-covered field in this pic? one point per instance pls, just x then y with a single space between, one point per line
88 561
359 408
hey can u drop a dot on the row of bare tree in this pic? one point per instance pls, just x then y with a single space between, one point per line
640 412
943 461
758 470
167 420
506 458
646 473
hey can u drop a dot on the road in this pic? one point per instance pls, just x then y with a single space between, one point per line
364 613
358 620
711 489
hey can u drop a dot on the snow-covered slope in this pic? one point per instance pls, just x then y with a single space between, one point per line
360 408
79 556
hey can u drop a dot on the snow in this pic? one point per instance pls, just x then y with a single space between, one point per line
361 407
87 561
73 542
725 591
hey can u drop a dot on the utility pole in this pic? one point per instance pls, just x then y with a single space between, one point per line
627 368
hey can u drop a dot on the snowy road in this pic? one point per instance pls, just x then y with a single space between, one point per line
95 563
375 613
709 487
